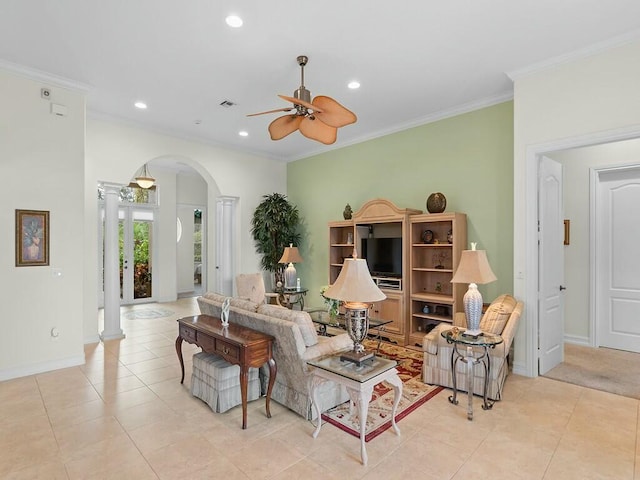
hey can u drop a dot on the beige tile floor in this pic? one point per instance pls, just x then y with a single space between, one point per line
124 415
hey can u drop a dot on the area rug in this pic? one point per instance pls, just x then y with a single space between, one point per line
606 369
146 313
414 394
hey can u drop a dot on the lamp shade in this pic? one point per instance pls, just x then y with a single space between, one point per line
291 255
354 284
474 268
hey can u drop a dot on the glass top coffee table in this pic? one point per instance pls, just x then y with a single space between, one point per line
324 320
359 382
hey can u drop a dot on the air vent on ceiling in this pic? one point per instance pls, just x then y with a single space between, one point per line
227 103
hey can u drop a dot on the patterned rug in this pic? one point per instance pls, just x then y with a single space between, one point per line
414 394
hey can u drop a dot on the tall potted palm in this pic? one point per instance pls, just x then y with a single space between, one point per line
274 226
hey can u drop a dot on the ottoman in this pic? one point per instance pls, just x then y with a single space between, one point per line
217 382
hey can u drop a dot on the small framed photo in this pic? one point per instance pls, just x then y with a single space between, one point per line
32 238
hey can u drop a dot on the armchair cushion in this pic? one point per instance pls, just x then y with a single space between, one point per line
497 315
251 286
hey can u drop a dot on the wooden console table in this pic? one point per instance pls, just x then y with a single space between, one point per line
236 344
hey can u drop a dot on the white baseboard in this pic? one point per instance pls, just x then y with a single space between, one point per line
577 340
520 369
24 371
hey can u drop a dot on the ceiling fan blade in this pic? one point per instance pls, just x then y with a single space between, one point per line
331 112
283 126
271 111
297 101
317 130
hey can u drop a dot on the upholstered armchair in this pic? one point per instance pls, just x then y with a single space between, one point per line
251 286
501 317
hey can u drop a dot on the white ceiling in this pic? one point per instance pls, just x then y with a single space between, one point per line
417 60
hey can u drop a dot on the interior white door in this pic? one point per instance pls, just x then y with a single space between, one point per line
551 266
618 259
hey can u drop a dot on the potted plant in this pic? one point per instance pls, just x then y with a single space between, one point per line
274 226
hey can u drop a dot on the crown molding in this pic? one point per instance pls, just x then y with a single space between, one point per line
41 76
590 51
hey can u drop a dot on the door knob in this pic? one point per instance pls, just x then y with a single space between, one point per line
562 288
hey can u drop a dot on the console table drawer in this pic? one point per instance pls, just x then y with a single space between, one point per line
227 349
207 343
189 334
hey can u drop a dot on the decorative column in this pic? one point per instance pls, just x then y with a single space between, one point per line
112 330
225 235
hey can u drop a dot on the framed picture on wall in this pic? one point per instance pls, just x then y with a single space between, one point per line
32 238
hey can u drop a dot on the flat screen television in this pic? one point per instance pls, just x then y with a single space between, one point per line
384 256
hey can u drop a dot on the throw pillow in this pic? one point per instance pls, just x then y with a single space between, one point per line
300 318
497 315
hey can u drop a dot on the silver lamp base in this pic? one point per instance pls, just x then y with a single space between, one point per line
357 322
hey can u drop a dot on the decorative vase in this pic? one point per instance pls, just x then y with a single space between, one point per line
436 203
347 212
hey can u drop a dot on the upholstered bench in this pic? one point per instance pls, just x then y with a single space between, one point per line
217 382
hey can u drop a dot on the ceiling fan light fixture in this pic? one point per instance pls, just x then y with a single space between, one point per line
353 85
317 119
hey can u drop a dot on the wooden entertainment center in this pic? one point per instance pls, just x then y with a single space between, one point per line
416 275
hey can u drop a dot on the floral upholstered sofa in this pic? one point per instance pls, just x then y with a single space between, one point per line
502 318
296 342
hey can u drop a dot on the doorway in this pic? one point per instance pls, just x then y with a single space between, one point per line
617 263
136 234
191 250
578 157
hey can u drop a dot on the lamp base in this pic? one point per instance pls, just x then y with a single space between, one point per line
357 357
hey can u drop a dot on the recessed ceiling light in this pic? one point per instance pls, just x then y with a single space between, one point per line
243 133
353 85
233 21
140 105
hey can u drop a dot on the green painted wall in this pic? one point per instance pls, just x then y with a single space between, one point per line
469 158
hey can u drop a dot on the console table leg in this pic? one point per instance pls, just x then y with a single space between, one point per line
273 370
179 352
244 379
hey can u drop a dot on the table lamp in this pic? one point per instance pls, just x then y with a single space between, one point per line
356 289
290 256
473 269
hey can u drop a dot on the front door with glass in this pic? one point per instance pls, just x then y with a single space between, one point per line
136 245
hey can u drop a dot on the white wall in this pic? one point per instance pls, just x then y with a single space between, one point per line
573 104
115 151
577 163
42 168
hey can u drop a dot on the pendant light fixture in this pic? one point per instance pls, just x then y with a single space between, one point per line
145 180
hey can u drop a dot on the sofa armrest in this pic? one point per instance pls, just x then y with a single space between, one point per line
327 346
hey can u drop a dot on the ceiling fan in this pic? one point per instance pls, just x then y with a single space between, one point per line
318 119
